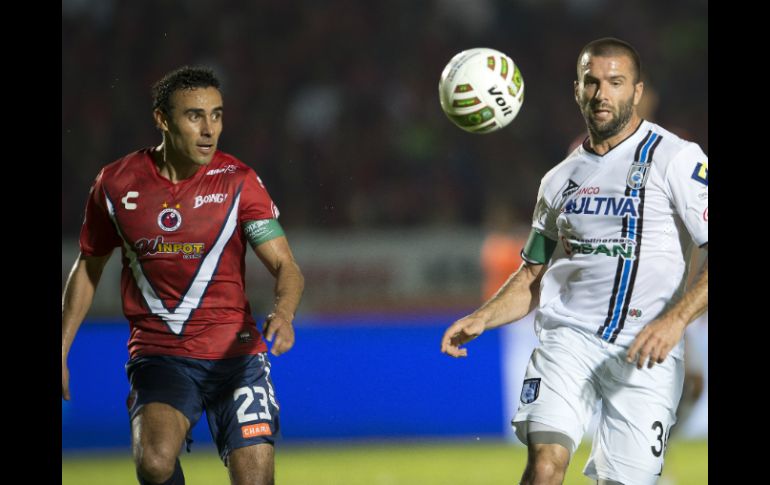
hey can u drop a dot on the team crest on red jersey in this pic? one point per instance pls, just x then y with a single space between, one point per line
169 219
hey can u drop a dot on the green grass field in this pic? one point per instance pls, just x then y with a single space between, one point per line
479 462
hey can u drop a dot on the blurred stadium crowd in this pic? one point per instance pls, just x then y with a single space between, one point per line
335 102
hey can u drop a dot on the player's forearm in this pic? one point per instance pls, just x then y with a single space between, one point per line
76 300
694 302
289 285
78 296
515 299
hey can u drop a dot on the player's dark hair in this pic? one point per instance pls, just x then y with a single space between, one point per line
610 46
183 78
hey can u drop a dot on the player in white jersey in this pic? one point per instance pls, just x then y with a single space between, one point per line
606 265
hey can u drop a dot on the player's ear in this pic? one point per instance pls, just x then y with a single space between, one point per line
638 91
161 119
577 87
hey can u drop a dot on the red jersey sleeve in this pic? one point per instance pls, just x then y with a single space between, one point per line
255 203
97 235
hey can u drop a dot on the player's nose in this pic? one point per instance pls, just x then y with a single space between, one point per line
601 91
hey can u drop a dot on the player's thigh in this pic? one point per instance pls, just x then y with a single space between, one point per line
637 414
244 410
163 404
159 430
252 465
559 389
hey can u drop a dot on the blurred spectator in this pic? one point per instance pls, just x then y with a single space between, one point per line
338 105
501 250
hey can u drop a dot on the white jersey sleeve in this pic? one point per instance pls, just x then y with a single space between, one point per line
687 183
544 217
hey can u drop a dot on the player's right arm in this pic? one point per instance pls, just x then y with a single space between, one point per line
98 238
76 300
518 296
514 300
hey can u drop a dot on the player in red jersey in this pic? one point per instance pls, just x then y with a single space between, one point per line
182 213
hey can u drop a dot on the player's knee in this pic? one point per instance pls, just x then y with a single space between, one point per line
155 465
547 464
546 471
252 465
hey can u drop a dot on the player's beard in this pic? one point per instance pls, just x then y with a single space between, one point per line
607 129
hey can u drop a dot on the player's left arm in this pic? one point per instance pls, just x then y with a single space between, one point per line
658 337
686 180
271 246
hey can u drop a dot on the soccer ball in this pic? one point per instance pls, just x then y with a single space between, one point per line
481 90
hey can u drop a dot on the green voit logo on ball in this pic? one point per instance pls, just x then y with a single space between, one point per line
476 118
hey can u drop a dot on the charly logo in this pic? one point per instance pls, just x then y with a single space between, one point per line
572 186
637 175
635 313
169 219
127 200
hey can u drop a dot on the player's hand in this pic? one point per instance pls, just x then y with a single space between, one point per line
655 341
278 327
460 333
65 381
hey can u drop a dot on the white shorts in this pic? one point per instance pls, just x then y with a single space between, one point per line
571 371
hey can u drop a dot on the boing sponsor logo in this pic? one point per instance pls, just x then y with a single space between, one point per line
209 199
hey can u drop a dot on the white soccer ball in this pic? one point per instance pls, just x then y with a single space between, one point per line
481 90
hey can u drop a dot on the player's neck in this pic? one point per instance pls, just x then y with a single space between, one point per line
173 168
602 146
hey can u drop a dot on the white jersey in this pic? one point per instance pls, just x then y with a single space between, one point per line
625 223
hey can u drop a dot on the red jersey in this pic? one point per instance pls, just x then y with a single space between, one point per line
183 252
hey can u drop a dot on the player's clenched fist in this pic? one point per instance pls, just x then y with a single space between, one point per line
279 327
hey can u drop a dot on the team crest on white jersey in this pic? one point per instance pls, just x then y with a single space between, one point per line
530 390
169 219
637 175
